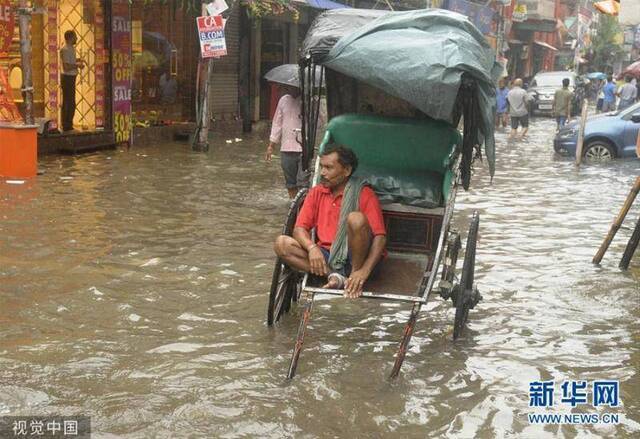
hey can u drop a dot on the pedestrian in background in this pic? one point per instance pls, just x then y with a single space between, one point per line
609 91
70 67
600 96
518 100
503 106
562 104
286 130
627 94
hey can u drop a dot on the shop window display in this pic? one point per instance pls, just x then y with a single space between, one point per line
165 58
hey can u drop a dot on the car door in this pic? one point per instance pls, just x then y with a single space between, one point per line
630 136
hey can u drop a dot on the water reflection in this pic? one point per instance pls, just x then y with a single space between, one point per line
133 290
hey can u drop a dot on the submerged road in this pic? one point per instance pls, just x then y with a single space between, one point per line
133 289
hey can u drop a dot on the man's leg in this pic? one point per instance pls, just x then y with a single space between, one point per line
72 93
524 121
514 127
359 238
292 191
66 99
290 251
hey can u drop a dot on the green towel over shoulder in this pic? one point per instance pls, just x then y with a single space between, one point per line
350 203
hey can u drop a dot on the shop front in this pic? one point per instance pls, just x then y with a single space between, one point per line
49 22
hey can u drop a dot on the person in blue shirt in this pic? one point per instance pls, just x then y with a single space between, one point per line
502 110
609 100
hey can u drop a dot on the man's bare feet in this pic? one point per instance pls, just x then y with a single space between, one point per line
336 281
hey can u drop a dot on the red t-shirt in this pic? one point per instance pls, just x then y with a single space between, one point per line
322 211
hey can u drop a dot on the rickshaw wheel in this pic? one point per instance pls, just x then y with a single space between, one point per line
466 295
449 266
285 281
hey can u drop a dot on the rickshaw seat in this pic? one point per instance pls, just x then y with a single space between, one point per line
405 160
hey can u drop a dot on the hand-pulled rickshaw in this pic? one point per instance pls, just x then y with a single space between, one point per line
398 85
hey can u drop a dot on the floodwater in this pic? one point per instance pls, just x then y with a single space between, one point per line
133 289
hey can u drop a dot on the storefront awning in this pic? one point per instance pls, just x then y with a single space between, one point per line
326 4
546 46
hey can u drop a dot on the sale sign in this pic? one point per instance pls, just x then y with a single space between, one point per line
7 23
211 35
121 63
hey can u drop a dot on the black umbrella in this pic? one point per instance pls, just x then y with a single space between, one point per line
289 74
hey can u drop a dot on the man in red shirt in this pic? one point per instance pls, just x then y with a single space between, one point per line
365 231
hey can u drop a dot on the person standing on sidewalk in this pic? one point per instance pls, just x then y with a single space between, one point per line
627 94
286 130
609 100
518 109
70 66
562 104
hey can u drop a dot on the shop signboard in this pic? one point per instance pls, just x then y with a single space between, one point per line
519 13
7 23
211 35
482 17
122 69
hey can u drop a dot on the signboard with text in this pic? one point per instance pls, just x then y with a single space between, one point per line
211 36
122 69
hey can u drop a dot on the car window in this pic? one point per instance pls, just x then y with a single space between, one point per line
553 80
628 112
533 83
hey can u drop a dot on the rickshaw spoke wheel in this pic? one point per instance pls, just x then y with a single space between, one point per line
446 287
285 283
467 295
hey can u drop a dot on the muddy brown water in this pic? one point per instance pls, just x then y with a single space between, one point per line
133 287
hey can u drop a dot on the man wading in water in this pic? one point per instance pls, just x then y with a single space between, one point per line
350 231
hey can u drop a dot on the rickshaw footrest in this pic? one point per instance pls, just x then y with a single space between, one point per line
368 295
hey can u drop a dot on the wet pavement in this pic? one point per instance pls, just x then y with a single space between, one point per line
133 288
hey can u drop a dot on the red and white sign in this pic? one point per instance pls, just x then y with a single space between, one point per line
7 22
211 35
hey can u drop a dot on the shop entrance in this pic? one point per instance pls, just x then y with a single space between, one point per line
86 18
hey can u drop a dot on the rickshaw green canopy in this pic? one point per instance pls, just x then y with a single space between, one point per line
421 57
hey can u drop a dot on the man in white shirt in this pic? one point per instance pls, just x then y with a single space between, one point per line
518 108
70 66
627 94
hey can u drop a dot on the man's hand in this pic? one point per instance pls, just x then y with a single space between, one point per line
316 262
269 153
355 282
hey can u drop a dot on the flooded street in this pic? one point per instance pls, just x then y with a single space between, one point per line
133 289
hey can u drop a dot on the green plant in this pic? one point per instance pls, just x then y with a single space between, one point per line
604 47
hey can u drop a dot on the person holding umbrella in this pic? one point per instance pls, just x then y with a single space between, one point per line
286 128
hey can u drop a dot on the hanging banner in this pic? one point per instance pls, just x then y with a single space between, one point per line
7 23
211 35
99 66
122 68
52 74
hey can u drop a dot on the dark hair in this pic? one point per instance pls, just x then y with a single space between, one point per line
68 34
627 78
609 78
346 157
565 82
